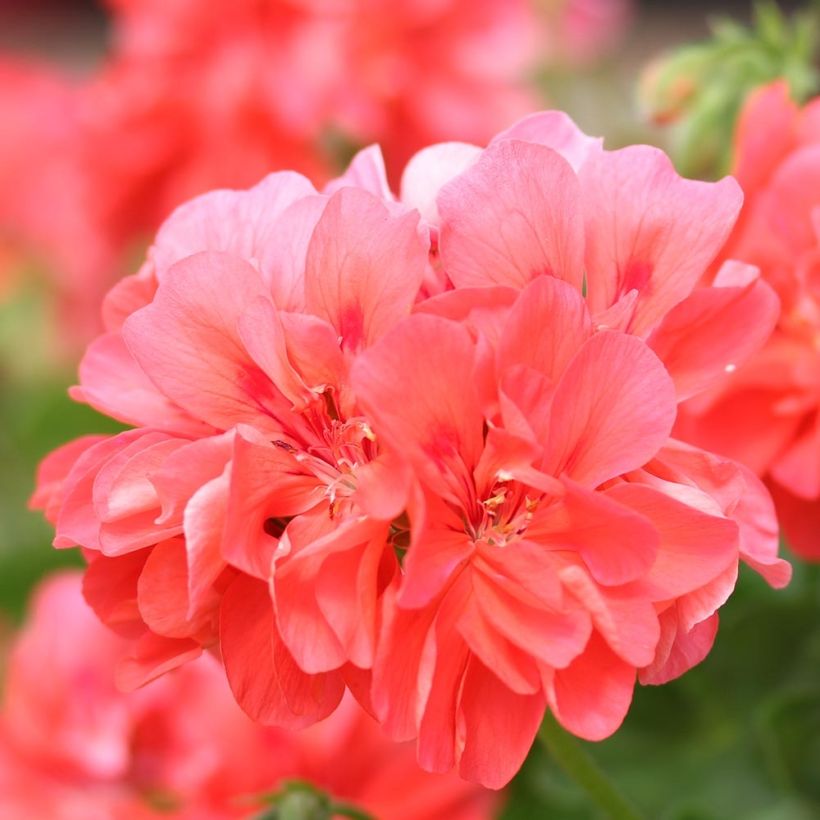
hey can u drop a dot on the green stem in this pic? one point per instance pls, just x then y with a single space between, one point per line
577 763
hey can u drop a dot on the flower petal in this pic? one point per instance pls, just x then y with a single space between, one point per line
188 340
649 229
555 130
430 169
266 682
500 727
613 410
364 267
591 697
416 386
512 216
712 331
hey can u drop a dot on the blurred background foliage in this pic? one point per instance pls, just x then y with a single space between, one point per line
738 736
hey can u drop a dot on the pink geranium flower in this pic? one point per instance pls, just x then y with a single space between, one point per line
72 746
539 437
419 446
250 443
767 413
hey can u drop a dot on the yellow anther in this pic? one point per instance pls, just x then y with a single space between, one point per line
496 500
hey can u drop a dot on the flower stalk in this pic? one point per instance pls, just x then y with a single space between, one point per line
568 752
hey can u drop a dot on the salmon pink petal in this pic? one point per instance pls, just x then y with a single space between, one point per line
366 171
204 527
528 568
619 315
151 657
188 340
416 385
627 622
514 666
382 487
186 469
649 229
613 410
429 170
122 487
500 727
617 544
126 502
129 294
732 426
299 353
364 267
679 650
133 533
262 334
310 697
362 572
112 382
77 522
512 216
110 589
53 471
397 670
798 468
437 555
266 682
702 603
791 201
436 743
764 134
524 400
162 592
266 484
313 350
801 522
695 547
712 331
545 328
445 660
482 312
240 223
555 130
742 496
759 531
553 636
282 260
591 697
303 623
509 454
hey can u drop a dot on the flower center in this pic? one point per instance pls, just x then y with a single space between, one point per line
504 515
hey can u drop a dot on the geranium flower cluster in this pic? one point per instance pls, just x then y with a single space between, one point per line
72 746
767 414
418 447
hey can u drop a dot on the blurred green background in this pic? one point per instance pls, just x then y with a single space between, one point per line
737 737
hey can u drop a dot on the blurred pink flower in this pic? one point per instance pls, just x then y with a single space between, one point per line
419 446
767 413
581 31
402 75
72 746
192 98
44 225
